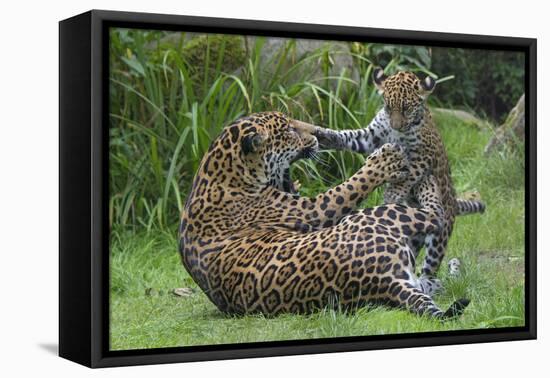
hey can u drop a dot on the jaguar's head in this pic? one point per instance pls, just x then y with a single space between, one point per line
404 96
268 143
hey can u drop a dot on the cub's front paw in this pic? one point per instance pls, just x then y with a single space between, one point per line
327 139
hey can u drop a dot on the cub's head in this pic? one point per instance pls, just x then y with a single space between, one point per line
404 97
265 145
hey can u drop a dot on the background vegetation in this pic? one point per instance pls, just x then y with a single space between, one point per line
171 93
485 82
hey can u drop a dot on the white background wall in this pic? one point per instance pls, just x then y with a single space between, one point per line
29 186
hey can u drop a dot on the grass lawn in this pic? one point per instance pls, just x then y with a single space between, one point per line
146 267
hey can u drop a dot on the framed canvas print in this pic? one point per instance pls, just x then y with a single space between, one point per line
234 188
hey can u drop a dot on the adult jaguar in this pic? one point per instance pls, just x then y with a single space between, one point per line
253 247
406 120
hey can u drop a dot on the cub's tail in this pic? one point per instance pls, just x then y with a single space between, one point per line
469 206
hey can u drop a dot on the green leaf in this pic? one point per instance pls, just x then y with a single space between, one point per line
135 65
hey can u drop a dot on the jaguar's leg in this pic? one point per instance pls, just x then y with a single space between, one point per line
398 192
420 303
425 195
408 292
436 244
386 164
428 195
430 285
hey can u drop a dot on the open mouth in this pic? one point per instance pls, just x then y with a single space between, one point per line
309 153
288 185
306 153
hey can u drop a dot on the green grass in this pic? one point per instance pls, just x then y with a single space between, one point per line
490 247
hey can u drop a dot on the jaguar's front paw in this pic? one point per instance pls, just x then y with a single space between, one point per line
391 161
392 197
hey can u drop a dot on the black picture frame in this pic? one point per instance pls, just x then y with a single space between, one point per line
83 196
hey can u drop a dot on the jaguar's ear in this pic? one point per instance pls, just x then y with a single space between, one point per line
379 78
252 143
427 86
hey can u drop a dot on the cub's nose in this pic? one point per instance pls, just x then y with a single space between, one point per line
396 121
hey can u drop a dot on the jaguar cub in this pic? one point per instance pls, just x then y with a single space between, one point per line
406 120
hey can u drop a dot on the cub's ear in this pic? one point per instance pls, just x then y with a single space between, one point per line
252 143
379 77
427 86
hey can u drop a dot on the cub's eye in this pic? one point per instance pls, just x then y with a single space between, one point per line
292 129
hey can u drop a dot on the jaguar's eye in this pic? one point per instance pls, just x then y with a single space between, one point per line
292 129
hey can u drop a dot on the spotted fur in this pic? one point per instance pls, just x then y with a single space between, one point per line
406 120
252 247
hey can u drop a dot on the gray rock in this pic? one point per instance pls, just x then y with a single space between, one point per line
462 115
512 132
